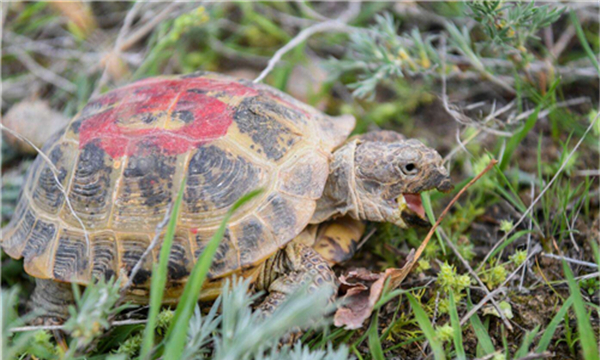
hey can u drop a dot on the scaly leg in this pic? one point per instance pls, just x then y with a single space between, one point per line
52 299
337 241
295 266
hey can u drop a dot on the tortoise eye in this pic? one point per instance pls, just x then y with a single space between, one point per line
410 169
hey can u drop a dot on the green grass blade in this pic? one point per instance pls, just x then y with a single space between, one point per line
455 322
425 325
527 340
374 341
159 278
587 339
426 200
483 338
177 333
588 50
551 329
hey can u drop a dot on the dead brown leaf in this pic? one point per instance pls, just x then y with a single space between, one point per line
360 290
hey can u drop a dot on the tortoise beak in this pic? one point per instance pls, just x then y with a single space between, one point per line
442 181
445 185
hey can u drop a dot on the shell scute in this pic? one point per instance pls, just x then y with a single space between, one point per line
180 262
91 188
304 175
71 262
46 194
216 179
104 255
255 241
38 244
17 231
226 259
285 215
133 247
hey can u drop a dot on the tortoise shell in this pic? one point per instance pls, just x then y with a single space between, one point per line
122 159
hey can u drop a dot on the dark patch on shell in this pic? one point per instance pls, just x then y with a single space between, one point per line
76 125
133 249
178 261
153 172
253 119
250 240
219 264
280 214
183 116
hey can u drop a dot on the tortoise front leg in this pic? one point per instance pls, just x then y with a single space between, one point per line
336 241
295 266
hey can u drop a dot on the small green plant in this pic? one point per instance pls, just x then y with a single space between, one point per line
89 316
510 24
444 332
381 54
506 225
450 281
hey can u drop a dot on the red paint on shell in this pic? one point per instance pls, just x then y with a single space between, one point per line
210 117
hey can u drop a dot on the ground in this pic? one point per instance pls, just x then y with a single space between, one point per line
515 82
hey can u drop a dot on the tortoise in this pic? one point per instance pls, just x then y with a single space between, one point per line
121 160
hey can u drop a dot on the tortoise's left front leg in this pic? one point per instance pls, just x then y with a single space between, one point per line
337 241
295 266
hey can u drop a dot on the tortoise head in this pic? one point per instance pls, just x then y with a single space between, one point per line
390 177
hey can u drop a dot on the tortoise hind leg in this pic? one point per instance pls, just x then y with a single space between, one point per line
294 267
51 300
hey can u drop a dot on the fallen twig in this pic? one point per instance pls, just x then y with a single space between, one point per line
331 25
574 261
143 30
61 327
338 24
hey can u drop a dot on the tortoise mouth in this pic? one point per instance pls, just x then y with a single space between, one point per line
413 212
414 203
